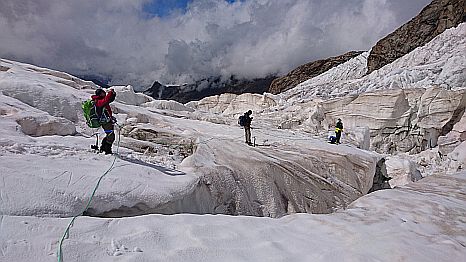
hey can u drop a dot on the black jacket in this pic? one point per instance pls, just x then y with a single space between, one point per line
339 125
247 120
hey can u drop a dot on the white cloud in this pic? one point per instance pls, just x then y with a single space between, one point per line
250 38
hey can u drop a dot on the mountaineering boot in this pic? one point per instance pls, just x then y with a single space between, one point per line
106 148
103 145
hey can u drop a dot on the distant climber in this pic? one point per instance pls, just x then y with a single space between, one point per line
102 102
245 121
338 130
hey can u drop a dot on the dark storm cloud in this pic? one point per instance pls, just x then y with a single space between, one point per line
251 38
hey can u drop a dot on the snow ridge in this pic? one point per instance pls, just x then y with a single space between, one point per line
440 62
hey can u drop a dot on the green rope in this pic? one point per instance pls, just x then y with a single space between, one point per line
67 231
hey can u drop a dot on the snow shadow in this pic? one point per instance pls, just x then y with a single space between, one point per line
165 170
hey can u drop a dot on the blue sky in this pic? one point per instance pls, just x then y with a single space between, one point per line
163 8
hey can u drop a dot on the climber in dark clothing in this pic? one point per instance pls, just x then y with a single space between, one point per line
102 102
338 130
247 126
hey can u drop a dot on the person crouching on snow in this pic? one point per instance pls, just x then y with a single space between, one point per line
102 102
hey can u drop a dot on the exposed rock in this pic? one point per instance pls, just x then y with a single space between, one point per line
308 71
432 21
155 91
208 87
98 80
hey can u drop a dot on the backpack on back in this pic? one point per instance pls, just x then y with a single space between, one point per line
242 120
90 114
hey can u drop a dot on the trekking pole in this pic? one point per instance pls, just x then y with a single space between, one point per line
254 141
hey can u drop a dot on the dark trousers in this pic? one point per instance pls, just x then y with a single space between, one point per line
338 134
110 134
247 134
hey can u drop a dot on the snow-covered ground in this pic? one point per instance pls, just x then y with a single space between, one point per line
175 158
171 161
420 222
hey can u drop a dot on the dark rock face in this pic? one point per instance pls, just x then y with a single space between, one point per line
208 87
308 71
156 90
98 80
432 21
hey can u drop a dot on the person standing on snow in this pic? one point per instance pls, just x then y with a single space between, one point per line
247 126
338 130
102 102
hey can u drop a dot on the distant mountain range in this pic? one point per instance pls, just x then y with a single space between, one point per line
209 87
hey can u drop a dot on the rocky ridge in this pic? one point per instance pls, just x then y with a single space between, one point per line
308 71
433 20
208 87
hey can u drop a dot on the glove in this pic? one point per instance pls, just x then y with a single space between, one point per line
114 120
112 96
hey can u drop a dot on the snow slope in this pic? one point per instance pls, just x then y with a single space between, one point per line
52 175
420 222
440 62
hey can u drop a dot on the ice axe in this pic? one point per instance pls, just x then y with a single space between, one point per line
96 146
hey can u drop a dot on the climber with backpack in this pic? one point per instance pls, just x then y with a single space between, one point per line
245 121
338 130
98 113
334 136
